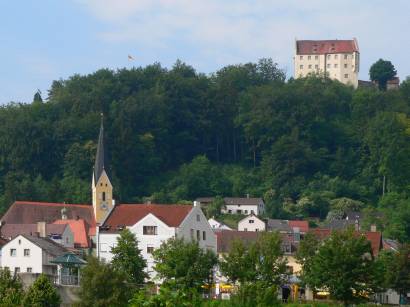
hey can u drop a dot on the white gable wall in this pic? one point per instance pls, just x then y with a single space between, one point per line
34 260
251 223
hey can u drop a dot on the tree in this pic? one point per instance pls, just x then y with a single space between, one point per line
42 293
11 289
381 72
127 258
183 265
101 285
398 270
343 264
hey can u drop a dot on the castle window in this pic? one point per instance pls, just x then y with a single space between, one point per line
103 196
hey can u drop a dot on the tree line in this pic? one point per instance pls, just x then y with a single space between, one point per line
177 134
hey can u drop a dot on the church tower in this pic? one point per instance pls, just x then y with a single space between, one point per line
101 184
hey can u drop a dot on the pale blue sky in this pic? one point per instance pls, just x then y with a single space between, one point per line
45 40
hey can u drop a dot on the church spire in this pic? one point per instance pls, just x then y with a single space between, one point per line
100 158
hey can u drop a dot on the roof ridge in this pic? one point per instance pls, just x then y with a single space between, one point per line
22 202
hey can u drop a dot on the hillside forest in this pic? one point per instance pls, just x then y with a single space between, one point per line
311 147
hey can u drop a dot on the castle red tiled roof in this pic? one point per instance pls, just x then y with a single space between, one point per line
29 212
129 214
374 237
302 225
79 229
326 46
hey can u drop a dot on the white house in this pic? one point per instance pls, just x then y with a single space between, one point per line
215 225
244 205
251 223
31 254
152 225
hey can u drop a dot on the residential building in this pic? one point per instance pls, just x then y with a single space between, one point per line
291 227
31 254
80 230
338 59
215 225
61 234
251 223
238 205
152 225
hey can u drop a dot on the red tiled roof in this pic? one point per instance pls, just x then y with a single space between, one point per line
79 229
224 238
28 212
326 46
302 225
3 241
129 214
374 237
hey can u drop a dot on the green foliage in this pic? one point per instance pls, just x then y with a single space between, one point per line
167 297
102 285
42 294
343 264
214 208
382 71
183 265
127 258
11 289
257 294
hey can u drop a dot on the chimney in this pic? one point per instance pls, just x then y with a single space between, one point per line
41 229
197 203
64 213
373 228
247 195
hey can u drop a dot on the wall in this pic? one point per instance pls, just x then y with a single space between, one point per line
245 209
103 186
246 224
35 260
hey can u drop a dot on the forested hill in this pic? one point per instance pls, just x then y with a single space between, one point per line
176 134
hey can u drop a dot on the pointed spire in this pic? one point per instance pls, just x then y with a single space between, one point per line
100 157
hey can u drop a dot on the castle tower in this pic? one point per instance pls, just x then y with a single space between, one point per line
101 184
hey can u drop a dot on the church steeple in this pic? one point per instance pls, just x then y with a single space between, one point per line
100 158
101 184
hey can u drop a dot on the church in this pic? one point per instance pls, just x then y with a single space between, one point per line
97 226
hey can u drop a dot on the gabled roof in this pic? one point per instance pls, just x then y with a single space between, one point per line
13 230
129 214
224 238
29 212
47 245
69 259
278 225
242 200
79 229
3 241
326 46
302 225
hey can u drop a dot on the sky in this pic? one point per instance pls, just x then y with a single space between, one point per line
42 41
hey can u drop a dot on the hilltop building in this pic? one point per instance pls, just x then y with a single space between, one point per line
339 59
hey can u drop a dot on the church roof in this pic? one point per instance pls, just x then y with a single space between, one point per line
100 158
28 212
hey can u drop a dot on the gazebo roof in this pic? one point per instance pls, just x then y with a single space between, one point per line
69 259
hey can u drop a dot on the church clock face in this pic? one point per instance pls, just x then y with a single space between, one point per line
103 206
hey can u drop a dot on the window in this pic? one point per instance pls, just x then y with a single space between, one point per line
345 56
335 56
29 270
204 235
19 242
149 230
346 76
335 65
345 65
198 235
245 229
310 66
328 56
13 252
101 184
198 218
316 57
103 196
301 57
317 66
16 270
309 57
328 65
252 212
239 211
301 66
246 211
67 240
256 229
26 252
229 211
251 221
192 234
150 249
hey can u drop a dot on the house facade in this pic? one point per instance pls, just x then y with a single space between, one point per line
251 223
215 225
152 225
338 59
238 205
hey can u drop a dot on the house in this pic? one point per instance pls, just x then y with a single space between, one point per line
251 223
215 225
31 254
290 227
152 225
238 205
60 234
80 230
338 59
